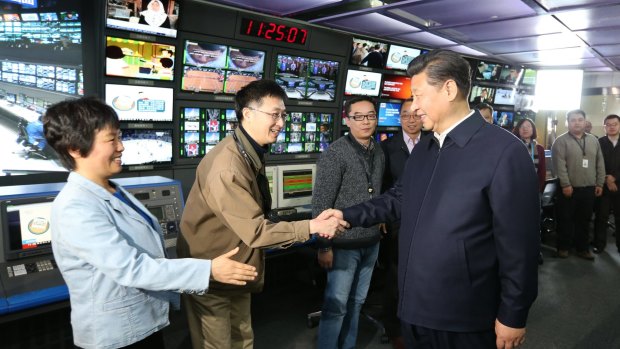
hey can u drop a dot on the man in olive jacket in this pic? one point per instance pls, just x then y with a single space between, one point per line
227 206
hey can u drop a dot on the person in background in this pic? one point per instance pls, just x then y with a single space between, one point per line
482 98
580 167
525 130
107 245
610 200
374 59
396 150
469 214
227 207
348 172
155 15
486 110
588 128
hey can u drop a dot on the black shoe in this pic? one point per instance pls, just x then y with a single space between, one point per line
598 250
585 255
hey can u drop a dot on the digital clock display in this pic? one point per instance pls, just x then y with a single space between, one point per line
273 31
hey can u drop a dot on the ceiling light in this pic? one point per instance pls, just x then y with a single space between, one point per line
376 3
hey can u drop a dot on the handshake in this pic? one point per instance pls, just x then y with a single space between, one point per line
328 223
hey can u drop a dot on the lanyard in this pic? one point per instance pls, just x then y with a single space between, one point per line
583 147
368 170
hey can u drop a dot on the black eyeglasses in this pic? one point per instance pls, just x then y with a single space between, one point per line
406 115
274 116
360 117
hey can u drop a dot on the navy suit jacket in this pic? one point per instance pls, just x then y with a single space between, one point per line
469 236
396 155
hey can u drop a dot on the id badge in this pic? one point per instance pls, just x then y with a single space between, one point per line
584 163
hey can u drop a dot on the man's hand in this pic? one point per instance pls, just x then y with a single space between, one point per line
326 257
327 227
508 337
611 183
567 191
224 269
383 228
598 191
332 212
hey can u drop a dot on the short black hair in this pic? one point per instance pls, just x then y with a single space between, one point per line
515 131
611 116
485 106
442 65
72 125
350 102
255 92
576 111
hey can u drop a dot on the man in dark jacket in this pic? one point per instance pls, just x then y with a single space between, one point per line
375 59
611 197
469 209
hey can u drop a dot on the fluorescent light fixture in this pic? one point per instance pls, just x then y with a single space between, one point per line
558 89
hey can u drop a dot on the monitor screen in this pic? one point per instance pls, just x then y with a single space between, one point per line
200 129
505 96
295 184
26 227
400 56
291 75
271 172
144 146
510 75
41 63
157 17
362 83
396 86
529 77
504 119
139 59
389 114
140 103
304 133
485 71
247 60
480 94
321 80
524 101
368 53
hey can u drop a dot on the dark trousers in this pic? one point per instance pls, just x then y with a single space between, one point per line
426 338
389 258
607 202
574 215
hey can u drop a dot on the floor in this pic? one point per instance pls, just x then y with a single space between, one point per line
577 307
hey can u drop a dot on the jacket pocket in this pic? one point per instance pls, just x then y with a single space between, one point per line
463 263
124 301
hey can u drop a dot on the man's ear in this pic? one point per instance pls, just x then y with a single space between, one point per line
452 90
75 153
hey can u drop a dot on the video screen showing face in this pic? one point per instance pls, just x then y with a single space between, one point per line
202 54
504 119
291 73
485 71
400 56
362 83
246 60
321 80
368 53
139 59
510 75
157 17
140 103
396 86
480 94
146 146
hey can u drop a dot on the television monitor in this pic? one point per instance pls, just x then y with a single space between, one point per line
48 16
140 103
30 17
271 172
26 227
247 60
69 16
148 17
236 80
485 71
192 124
11 17
399 57
321 80
361 50
203 54
529 77
362 83
139 59
291 75
389 114
524 101
505 96
295 184
146 146
396 86
510 75
504 119
303 133
480 94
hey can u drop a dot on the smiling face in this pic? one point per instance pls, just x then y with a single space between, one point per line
409 121
104 159
260 126
526 130
429 103
362 130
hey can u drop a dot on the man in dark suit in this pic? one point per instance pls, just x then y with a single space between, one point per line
469 210
375 59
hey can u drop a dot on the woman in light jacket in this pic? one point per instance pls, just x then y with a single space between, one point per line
108 247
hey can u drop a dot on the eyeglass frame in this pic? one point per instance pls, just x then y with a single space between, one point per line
409 115
361 117
275 116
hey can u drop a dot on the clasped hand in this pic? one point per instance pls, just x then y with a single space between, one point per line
328 223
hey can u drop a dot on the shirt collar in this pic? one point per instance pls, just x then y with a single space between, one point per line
442 137
408 139
260 151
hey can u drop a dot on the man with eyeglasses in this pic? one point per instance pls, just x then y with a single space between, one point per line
349 172
396 150
227 206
